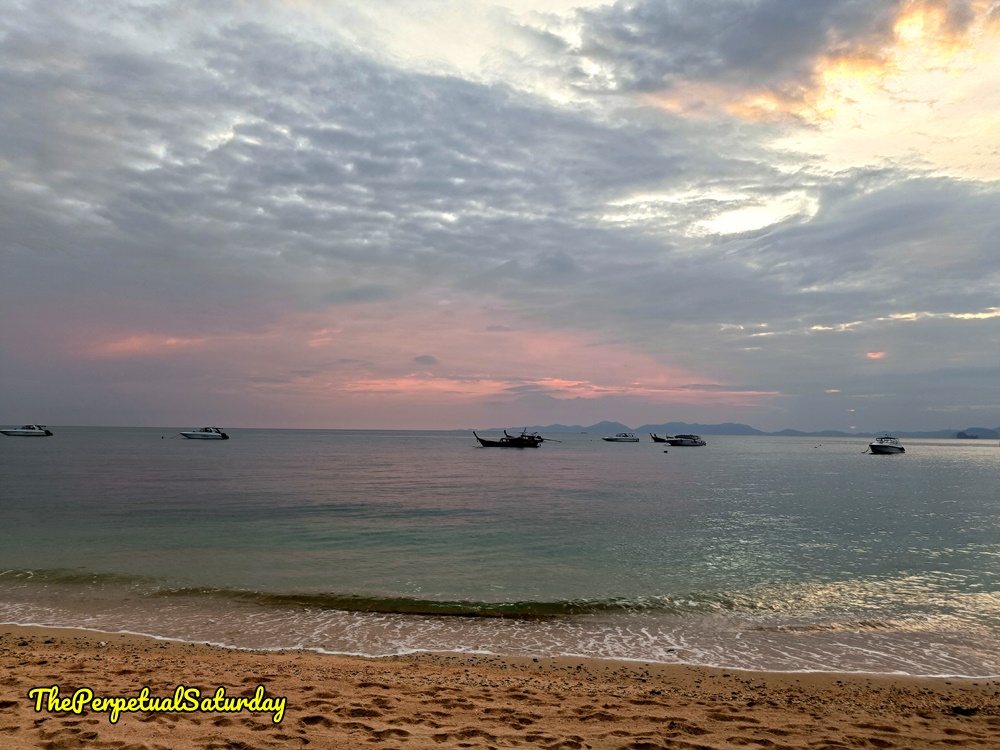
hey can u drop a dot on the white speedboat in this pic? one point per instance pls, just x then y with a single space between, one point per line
686 440
886 444
28 430
621 437
206 433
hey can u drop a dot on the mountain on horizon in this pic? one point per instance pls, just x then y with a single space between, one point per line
733 428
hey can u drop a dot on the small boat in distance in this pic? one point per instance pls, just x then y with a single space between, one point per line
206 433
28 430
658 439
885 445
524 440
621 437
686 440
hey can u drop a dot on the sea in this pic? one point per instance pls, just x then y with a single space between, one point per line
763 553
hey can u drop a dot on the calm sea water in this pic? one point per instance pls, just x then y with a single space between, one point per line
753 552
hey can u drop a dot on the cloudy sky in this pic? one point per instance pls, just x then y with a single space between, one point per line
464 213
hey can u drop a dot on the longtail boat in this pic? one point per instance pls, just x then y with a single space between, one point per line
524 440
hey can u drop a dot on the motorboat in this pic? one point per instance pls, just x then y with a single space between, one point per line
885 445
658 439
689 440
206 433
29 430
621 437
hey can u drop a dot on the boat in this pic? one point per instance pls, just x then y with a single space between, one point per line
206 433
524 440
29 430
885 445
658 439
621 437
690 440
507 441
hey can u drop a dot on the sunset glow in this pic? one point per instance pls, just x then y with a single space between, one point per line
146 345
361 216
935 77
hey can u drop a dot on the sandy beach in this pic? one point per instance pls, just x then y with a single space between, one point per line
62 688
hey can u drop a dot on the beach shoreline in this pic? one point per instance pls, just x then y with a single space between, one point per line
452 700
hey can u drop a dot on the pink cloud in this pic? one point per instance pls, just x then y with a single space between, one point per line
356 352
145 345
366 366
875 355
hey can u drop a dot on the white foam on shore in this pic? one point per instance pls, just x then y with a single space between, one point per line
724 641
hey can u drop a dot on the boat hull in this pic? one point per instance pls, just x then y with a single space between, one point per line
686 440
23 432
205 435
886 449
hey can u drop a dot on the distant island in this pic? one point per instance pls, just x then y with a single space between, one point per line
733 428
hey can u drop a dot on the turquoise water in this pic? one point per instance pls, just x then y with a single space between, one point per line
766 553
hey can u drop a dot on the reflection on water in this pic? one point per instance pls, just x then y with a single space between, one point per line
775 553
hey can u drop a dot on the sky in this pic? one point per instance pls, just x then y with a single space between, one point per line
461 213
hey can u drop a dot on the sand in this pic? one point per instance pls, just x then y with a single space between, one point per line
445 701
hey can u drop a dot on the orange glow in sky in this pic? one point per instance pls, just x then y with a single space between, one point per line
930 97
145 345
928 93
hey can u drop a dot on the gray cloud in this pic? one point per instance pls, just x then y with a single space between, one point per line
769 43
208 174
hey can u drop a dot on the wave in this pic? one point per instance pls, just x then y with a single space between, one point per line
74 576
772 609
382 604
520 610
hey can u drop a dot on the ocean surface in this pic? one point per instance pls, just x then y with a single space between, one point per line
751 552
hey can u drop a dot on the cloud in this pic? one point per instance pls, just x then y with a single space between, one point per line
849 70
146 345
283 208
770 45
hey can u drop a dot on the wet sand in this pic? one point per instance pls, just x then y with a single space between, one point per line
442 701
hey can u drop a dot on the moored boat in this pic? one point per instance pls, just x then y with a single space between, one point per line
206 433
28 430
689 440
621 437
885 445
524 440
658 439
